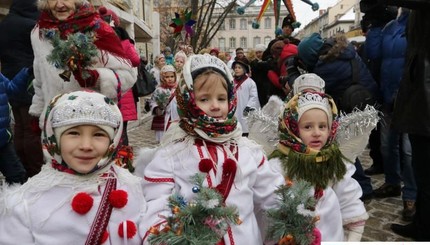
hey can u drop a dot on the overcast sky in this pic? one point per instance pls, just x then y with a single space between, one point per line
304 13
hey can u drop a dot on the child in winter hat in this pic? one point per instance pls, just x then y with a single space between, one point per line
208 141
76 109
307 150
79 195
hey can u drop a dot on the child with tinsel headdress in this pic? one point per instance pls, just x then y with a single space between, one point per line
208 141
163 102
307 150
80 196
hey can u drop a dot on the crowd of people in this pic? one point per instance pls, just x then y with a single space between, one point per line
71 108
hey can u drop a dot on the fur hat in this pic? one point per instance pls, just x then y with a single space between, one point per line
109 15
260 47
309 49
243 62
85 108
308 81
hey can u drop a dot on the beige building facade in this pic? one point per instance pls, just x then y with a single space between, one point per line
237 30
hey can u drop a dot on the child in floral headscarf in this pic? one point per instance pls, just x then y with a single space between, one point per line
307 150
80 196
163 102
208 140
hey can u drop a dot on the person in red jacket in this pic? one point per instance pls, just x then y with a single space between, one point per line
127 103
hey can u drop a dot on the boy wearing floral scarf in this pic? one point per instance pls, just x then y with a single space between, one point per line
207 140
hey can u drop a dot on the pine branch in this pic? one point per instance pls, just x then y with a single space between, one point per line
204 220
295 216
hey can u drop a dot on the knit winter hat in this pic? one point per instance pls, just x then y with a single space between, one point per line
260 47
168 68
308 81
109 15
80 108
84 108
309 48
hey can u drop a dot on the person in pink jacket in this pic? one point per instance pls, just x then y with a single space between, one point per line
127 103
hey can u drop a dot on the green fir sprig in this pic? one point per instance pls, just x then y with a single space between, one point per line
204 220
161 97
76 51
294 219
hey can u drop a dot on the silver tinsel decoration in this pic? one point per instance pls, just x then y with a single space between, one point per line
357 123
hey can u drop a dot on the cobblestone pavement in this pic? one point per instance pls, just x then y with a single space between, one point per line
382 212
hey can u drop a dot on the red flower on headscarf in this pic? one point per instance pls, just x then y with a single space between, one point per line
131 229
82 203
118 198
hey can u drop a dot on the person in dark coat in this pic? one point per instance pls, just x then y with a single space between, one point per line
412 112
10 165
389 43
331 60
16 52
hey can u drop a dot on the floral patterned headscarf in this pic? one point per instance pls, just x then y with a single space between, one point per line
300 161
289 119
80 108
195 121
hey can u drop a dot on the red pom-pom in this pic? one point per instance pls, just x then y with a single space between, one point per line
102 10
229 166
82 203
118 198
104 238
131 229
205 165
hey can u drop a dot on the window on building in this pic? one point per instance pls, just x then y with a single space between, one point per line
232 24
257 40
267 23
267 40
243 42
232 42
221 42
222 26
243 24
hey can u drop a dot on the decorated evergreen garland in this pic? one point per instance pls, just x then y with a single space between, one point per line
72 54
204 220
293 222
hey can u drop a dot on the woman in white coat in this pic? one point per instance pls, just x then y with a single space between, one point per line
106 70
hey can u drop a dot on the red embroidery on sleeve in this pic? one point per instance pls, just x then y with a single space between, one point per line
159 180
